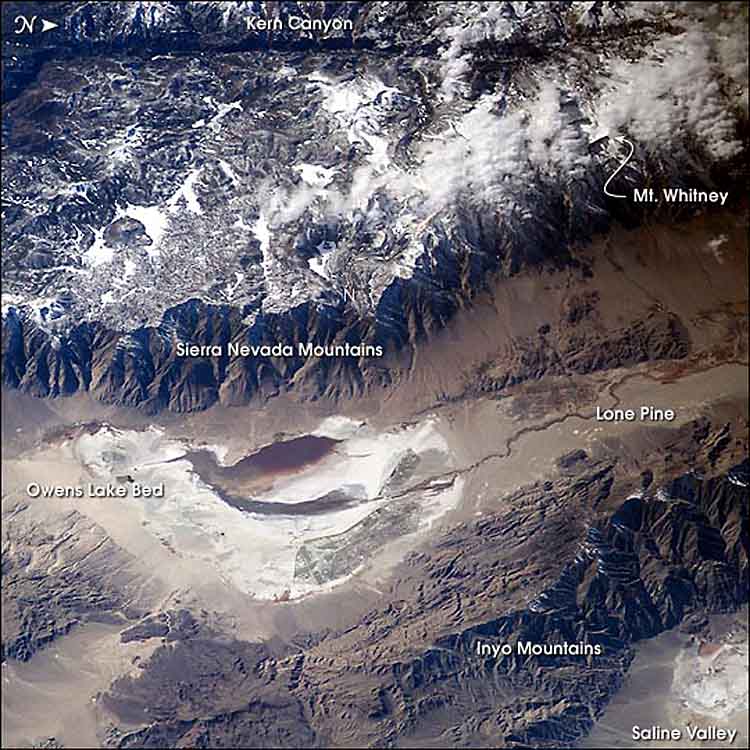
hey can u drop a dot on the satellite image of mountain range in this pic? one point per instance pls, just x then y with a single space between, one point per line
375 374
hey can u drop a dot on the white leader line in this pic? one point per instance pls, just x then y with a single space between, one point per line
619 169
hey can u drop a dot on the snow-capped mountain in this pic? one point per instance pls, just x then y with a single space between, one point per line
181 177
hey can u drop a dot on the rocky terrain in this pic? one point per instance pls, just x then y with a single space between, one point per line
58 574
630 564
649 532
344 544
359 189
648 528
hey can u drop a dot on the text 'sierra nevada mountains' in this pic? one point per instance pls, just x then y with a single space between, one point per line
375 375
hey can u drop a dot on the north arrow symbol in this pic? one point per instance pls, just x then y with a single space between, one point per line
48 25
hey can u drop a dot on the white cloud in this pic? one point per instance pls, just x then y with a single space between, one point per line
481 156
480 153
557 143
669 95
494 150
